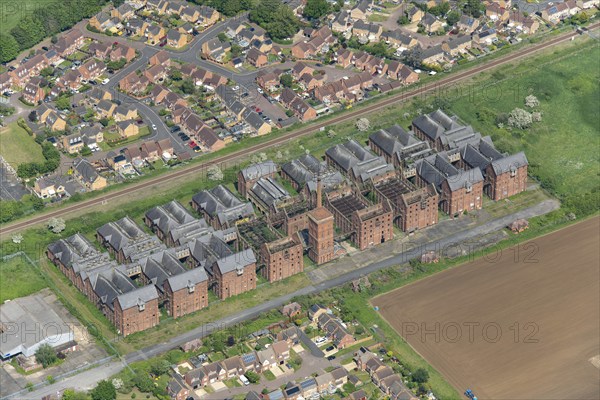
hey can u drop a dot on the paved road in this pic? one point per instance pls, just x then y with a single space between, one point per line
308 129
87 379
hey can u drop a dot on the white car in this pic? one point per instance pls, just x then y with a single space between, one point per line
104 82
236 88
153 127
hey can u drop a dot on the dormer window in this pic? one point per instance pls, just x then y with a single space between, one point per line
141 305
468 187
513 171
191 287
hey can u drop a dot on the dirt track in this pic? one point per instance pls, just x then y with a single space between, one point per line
548 312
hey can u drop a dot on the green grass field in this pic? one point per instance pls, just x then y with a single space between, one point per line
17 147
18 278
562 148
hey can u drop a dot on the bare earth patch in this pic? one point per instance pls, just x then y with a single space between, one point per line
523 326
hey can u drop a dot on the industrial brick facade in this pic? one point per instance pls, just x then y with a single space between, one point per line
186 300
282 258
320 235
505 184
137 318
234 282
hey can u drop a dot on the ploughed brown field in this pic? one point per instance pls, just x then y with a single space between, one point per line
548 313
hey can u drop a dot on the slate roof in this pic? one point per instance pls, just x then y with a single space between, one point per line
303 169
394 139
161 266
269 191
73 248
509 163
235 262
87 172
258 170
352 157
219 202
187 279
169 216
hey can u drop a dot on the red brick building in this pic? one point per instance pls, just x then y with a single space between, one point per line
366 224
234 274
186 292
247 177
506 177
414 208
282 258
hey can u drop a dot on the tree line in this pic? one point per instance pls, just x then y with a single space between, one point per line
56 17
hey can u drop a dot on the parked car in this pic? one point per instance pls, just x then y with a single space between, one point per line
197 149
185 138
331 358
153 127
105 81
175 129
330 348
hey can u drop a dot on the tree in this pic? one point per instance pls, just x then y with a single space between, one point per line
63 103
17 238
440 9
277 19
413 57
175 75
117 383
452 18
403 20
159 367
104 391
56 225
223 37
420 375
252 376
188 86
316 8
236 50
363 124
54 39
143 382
230 341
10 209
473 8
519 118
45 355
214 173
33 116
286 80
531 101
9 48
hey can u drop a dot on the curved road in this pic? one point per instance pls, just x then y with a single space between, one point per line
280 139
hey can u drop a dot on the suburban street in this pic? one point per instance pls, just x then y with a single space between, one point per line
89 377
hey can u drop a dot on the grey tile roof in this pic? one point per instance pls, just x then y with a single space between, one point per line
137 297
393 139
303 169
73 248
87 172
236 261
208 248
126 236
509 163
352 157
169 216
220 203
269 191
256 171
158 267
187 279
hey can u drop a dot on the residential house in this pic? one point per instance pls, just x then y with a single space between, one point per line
160 58
72 143
176 39
155 73
431 24
256 58
343 57
45 188
128 128
124 112
367 31
134 83
33 93
121 51
154 34
87 175
467 24
361 11
55 122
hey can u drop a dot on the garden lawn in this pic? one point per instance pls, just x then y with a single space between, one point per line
17 147
18 278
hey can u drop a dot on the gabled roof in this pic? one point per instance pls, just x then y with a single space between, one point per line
256 171
221 203
236 262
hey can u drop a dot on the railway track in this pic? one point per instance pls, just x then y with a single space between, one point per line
393 99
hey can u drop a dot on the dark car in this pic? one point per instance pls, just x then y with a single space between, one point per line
331 358
185 138
175 129
318 64
330 348
93 82
44 48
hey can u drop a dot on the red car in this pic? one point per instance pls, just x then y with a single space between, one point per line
192 144
258 110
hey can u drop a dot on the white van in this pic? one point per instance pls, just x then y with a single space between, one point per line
244 380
